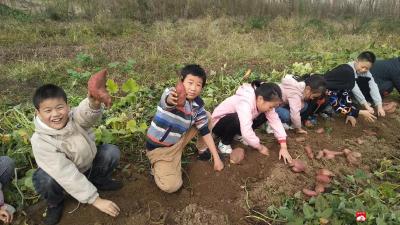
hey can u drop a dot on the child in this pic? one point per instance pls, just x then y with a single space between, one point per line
365 90
173 127
387 75
7 166
296 91
65 151
251 106
340 81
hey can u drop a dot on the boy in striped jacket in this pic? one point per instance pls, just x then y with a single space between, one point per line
174 127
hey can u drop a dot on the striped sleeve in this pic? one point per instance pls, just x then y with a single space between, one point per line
201 122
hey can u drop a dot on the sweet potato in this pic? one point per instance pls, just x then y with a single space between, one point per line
180 90
389 107
330 154
348 152
309 192
322 179
352 160
309 151
326 172
237 155
360 141
298 166
320 130
97 87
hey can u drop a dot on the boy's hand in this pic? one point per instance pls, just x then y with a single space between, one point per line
367 115
263 150
218 165
369 108
381 112
172 98
106 206
5 216
352 120
94 103
301 131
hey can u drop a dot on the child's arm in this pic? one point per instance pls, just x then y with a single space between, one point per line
218 164
87 113
63 170
295 104
376 95
358 95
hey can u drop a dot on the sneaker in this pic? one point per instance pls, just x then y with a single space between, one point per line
240 139
206 155
53 214
225 149
111 185
269 130
287 126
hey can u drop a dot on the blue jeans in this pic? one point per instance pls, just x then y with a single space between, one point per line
7 166
284 113
104 163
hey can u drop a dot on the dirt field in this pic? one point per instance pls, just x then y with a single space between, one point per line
220 198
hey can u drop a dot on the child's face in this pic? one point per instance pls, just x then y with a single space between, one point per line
309 95
53 112
193 86
362 66
266 106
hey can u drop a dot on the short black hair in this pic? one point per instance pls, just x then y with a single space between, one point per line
367 56
195 70
48 91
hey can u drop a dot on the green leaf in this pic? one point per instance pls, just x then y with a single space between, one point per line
130 86
308 211
143 127
360 174
112 87
326 213
380 221
286 213
296 221
131 126
321 203
113 64
29 183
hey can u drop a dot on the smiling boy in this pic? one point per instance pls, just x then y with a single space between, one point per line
68 158
174 127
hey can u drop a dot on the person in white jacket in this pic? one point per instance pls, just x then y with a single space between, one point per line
67 156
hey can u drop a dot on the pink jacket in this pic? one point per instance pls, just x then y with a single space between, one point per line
293 95
244 104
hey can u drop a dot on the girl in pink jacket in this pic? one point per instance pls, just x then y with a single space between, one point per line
251 106
296 92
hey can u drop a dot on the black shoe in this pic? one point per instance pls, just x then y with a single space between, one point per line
206 155
111 185
53 214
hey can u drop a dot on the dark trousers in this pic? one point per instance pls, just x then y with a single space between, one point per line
363 84
7 166
104 163
229 126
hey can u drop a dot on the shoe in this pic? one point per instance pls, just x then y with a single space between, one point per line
287 126
269 130
111 185
53 214
225 149
206 155
240 139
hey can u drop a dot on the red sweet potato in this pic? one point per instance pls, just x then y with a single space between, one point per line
325 172
320 130
300 139
298 166
331 154
322 179
97 87
320 155
319 188
309 151
237 155
309 192
180 90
